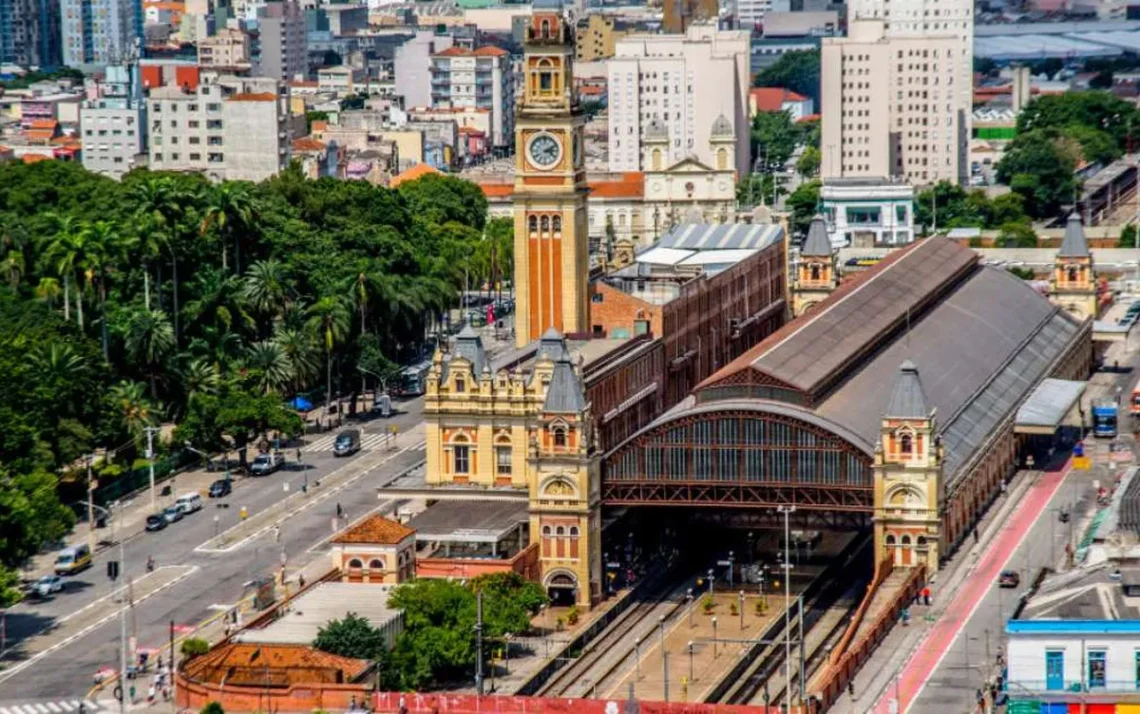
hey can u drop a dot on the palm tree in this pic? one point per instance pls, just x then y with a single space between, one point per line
270 366
57 362
200 377
220 303
64 256
14 267
266 289
329 318
134 412
161 205
301 351
105 248
149 340
230 210
48 290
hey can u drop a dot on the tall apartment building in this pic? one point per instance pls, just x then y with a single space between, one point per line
96 33
229 128
750 13
931 95
596 36
283 53
891 106
685 82
477 79
680 14
113 124
411 66
29 33
228 47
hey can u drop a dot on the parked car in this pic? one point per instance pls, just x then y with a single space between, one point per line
156 522
220 488
72 560
189 503
172 513
47 586
347 442
266 464
1009 579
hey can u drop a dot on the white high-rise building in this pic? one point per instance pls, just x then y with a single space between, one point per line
897 93
750 13
477 79
685 83
97 33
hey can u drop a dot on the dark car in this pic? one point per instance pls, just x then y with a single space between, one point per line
1009 579
155 522
220 488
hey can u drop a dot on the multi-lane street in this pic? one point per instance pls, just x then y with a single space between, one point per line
56 645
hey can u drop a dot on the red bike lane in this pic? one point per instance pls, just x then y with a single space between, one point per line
937 642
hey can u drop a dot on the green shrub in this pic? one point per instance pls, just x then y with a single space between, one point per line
194 647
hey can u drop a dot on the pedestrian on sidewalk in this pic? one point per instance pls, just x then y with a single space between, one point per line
339 511
975 535
926 596
151 694
276 534
301 580
851 687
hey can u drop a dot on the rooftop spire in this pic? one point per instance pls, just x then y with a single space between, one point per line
1074 245
908 400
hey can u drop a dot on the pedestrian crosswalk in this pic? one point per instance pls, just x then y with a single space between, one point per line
367 441
59 706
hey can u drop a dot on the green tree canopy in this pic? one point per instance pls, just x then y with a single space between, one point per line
774 138
444 199
804 204
797 71
351 636
1039 167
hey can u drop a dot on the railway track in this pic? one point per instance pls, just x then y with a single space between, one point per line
601 662
836 592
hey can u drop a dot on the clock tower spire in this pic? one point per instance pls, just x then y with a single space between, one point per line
551 248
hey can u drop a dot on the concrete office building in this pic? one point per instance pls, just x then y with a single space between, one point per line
685 82
229 47
476 79
283 54
750 13
29 33
679 15
891 106
113 124
96 33
229 128
412 66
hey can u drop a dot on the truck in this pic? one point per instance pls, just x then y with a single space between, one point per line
1104 419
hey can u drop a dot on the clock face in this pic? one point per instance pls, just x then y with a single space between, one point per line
544 150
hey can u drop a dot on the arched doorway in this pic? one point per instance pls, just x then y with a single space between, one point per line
907 550
562 588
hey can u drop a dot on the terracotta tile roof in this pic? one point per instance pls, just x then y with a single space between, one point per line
497 190
376 530
43 124
43 135
771 99
489 51
320 125
454 52
306 144
304 83
35 158
808 118
417 171
253 97
630 185
283 664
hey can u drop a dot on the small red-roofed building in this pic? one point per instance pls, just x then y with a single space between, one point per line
778 99
375 550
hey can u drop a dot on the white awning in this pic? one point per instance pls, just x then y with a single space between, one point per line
1046 407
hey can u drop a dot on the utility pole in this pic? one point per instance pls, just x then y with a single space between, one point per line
150 430
787 511
479 644
91 484
665 668
803 658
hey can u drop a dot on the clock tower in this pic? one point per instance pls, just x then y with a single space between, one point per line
551 248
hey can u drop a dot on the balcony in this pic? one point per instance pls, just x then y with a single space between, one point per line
1071 687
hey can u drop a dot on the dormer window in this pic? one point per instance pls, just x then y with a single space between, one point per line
559 438
906 444
460 384
815 272
545 31
1073 272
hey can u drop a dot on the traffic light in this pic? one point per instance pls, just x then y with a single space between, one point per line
112 569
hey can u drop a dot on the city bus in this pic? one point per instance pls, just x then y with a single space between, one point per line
1104 419
413 380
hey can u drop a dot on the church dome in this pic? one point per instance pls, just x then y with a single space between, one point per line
723 127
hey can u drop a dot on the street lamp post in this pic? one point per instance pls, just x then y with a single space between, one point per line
714 637
731 561
690 660
787 511
661 631
689 598
742 611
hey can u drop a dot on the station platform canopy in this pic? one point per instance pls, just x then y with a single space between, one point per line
469 522
1047 406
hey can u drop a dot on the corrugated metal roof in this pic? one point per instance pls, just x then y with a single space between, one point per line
718 257
327 601
840 331
663 256
704 236
1049 402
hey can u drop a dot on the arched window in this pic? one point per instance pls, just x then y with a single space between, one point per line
905 540
906 444
545 224
921 541
573 531
559 437
721 159
545 29
376 564
815 272
462 455
560 531
355 563
546 531
890 539
1073 272
657 159
532 224
556 224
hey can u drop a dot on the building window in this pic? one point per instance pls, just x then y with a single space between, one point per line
1097 669
462 459
532 224
545 222
559 437
460 384
906 444
376 564
556 224
815 272
1073 272
355 563
503 460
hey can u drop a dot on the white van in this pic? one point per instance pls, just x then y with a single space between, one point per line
188 503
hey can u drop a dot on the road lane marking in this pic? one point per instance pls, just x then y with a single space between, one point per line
54 707
20 666
308 502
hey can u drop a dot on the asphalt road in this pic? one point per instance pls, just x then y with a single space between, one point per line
220 579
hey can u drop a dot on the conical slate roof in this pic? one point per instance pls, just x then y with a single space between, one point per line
565 394
469 345
552 346
1075 245
817 243
908 400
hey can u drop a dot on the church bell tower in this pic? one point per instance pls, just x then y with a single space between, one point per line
551 247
